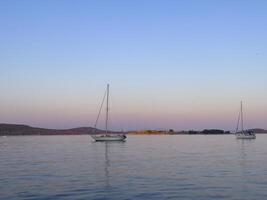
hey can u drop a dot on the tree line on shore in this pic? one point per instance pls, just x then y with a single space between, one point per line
190 132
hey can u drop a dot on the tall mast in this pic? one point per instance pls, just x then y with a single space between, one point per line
107 109
242 122
238 120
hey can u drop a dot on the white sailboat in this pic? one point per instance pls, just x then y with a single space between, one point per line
107 136
243 134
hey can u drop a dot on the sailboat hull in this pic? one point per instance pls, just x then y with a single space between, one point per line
243 136
103 138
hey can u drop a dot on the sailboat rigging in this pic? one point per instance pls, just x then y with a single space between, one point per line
107 136
243 134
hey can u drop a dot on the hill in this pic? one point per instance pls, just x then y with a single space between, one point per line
18 129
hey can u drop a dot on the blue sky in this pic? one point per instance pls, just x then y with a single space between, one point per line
171 64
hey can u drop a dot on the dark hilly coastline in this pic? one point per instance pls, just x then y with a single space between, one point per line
18 129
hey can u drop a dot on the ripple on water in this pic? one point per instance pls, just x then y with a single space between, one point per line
143 167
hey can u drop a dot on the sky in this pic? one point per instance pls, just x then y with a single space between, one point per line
182 65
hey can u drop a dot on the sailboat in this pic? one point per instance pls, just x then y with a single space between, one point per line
243 134
107 136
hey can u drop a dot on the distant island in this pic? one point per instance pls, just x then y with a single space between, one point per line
20 129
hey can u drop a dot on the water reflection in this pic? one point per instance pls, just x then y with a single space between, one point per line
107 161
245 163
144 167
245 146
107 165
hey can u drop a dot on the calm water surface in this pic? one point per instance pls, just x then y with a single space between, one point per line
143 167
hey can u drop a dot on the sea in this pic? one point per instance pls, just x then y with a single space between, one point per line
145 167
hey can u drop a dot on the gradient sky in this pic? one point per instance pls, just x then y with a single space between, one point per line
171 64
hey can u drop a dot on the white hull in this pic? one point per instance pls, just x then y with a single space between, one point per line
103 138
243 136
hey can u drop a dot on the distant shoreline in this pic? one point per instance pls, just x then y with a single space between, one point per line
20 130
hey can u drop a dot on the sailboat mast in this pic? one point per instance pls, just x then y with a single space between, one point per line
238 120
242 122
107 109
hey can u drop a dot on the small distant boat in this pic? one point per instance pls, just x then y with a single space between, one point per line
243 134
107 136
